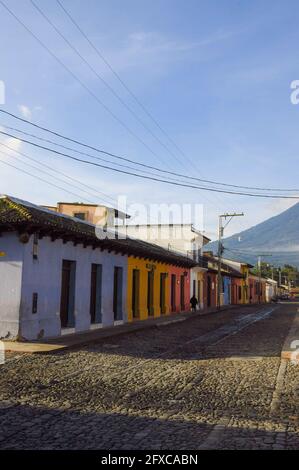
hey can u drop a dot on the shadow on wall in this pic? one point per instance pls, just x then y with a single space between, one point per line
26 427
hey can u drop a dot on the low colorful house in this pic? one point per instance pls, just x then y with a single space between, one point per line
271 290
236 290
198 285
157 288
61 275
186 240
257 289
240 286
232 278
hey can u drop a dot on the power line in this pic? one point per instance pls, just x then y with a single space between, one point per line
37 177
58 172
78 79
256 252
134 96
110 88
57 134
87 146
75 77
107 109
92 156
137 100
46 173
185 185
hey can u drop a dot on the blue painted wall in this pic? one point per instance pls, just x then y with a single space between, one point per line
226 290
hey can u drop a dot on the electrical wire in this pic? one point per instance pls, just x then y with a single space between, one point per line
89 155
133 95
110 88
185 185
75 77
98 150
37 177
102 195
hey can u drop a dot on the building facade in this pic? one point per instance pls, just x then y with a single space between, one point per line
183 239
59 277
58 288
156 289
93 213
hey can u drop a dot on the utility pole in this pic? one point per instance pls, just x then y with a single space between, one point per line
220 250
259 264
279 276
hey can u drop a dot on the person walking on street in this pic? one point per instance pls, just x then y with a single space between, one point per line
193 303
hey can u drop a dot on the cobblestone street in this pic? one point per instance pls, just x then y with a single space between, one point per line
211 382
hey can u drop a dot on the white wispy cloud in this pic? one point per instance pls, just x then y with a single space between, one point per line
155 50
9 147
25 111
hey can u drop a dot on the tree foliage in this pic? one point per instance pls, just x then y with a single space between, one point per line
289 273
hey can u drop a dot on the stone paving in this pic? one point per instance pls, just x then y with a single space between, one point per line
211 382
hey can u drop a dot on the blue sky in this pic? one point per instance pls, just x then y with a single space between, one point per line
215 74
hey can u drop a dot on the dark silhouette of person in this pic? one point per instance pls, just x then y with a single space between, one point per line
193 303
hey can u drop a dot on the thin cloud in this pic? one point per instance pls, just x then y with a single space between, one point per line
25 111
13 144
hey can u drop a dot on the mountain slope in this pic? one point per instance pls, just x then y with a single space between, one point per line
278 236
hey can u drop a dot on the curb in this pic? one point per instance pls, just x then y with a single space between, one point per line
287 349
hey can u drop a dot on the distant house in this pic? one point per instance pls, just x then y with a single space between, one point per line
241 294
257 289
231 290
271 289
93 213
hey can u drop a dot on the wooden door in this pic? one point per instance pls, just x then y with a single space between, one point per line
162 293
135 292
182 292
118 293
65 293
208 291
96 294
150 293
173 292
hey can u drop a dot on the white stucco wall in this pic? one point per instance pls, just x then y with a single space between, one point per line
10 284
22 276
180 238
199 295
44 277
271 291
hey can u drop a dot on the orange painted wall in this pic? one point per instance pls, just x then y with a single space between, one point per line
211 279
178 272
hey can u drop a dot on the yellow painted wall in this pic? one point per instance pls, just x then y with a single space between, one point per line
245 285
201 276
144 267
